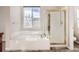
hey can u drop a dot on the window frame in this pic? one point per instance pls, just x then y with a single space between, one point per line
77 10
22 19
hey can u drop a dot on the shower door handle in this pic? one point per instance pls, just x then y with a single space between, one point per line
48 22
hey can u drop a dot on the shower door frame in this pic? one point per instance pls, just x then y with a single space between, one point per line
64 26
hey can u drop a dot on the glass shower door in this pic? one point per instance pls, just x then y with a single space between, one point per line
57 27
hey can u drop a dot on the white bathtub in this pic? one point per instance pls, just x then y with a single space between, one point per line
28 42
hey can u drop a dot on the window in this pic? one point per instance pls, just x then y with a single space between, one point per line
78 17
31 18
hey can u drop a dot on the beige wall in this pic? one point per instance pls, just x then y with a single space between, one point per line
15 19
4 21
3 18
